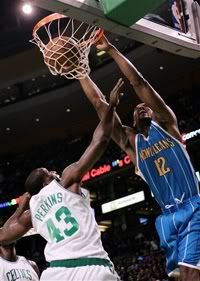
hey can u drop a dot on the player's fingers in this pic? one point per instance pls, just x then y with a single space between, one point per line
118 97
99 43
119 84
24 200
101 40
23 203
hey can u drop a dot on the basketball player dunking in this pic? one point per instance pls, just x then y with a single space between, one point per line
154 146
60 212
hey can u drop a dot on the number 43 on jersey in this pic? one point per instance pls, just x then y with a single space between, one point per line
72 225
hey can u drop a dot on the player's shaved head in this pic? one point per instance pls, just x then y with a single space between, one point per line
35 180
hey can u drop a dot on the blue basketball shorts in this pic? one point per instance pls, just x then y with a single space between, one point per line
179 231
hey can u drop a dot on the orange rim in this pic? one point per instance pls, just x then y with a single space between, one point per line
99 34
46 20
56 16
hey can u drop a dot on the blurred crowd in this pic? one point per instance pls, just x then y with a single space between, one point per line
186 106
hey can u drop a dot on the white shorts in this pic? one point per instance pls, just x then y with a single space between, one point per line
82 273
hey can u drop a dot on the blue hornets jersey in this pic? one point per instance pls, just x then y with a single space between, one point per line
164 164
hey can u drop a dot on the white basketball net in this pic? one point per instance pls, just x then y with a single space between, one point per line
72 44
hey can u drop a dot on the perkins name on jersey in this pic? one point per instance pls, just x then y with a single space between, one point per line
47 204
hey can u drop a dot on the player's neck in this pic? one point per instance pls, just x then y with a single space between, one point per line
144 130
75 188
144 125
8 254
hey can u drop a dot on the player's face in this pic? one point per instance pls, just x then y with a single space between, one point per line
51 175
141 114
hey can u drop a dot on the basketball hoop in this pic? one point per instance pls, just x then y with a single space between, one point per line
65 44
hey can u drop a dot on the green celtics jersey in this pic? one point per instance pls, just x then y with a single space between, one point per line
66 221
20 270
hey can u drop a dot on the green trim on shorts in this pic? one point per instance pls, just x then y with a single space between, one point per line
80 262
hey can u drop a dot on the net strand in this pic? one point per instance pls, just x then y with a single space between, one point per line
48 30
58 27
65 29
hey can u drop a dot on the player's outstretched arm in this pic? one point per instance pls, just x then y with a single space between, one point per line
100 104
100 140
95 96
18 224
143 89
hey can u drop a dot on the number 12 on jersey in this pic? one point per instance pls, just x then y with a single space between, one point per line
71 223
161 166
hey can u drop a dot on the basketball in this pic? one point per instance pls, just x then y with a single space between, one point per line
61 55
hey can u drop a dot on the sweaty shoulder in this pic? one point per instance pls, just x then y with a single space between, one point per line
170 127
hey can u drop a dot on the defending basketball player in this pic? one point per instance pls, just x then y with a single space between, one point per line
60 212
13 267
154 146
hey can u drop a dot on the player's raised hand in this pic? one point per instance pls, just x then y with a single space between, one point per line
23 207
24 202
116 93
103 44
